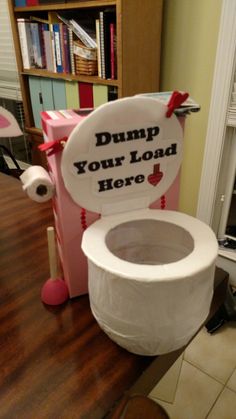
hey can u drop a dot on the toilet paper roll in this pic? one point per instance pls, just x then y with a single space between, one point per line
37 183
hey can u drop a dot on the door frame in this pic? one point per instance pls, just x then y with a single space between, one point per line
217 122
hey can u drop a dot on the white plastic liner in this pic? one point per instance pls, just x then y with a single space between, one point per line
151 317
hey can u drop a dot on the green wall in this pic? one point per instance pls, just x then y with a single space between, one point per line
190 35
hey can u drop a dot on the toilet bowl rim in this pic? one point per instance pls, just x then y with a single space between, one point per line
202 257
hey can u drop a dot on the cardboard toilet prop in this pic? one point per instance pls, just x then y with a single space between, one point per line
70 219
150 272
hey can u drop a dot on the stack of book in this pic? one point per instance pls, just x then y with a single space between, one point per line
45 45
54 46
84 44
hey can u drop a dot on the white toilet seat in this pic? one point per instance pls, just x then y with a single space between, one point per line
203 254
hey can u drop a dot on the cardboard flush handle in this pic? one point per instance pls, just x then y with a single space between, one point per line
176 99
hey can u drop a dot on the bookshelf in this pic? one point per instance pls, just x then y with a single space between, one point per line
138 43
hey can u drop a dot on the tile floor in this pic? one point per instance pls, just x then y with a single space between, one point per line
202 385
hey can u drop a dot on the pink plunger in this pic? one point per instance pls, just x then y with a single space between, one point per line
54 291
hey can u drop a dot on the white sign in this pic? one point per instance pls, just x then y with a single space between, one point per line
126 149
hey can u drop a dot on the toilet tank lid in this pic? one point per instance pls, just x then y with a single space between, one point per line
123 156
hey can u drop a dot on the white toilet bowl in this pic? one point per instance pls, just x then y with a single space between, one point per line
151 276
151 272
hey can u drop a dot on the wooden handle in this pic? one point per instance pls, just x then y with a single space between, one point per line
52 252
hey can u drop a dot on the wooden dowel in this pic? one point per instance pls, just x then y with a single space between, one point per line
52 252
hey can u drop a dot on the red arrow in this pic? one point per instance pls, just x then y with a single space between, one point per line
155 177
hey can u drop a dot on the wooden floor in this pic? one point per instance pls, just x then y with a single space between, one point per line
55 363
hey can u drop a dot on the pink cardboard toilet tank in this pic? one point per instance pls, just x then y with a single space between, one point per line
70 218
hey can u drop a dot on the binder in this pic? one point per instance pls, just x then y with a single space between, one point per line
59 94
72 95
36 99
100 95
47 94
86 95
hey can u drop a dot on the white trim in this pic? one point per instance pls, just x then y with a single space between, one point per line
229 185
222 81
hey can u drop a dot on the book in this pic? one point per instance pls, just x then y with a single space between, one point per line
42 43
71 51
38 19
65 48
72 95
113 49
85 32
25 43
84 29
109 17
50 1
106 18
98 47
57 46
102 48
64 20
32 2
100 94
20 3
112 93
37 47
55 40
48 47
86 95
53 47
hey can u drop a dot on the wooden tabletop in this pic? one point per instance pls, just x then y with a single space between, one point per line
56 362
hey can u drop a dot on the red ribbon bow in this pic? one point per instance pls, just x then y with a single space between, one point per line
175 101
53 146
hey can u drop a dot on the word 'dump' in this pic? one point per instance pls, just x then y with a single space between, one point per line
105 138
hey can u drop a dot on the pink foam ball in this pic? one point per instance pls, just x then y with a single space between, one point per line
54 292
